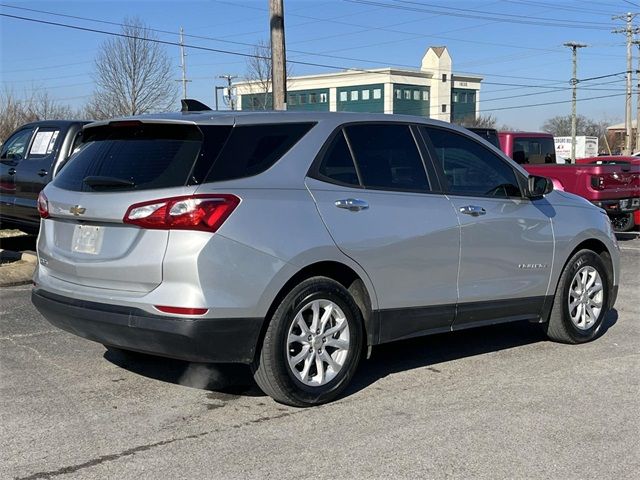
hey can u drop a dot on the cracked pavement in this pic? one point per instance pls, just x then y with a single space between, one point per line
496 402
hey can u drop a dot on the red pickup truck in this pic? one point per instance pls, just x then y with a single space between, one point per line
614 186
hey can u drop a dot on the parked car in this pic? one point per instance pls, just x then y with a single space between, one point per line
29 159
613 187
296 241
626 212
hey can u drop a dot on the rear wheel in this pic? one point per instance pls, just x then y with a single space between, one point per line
623 222
581 300
312 345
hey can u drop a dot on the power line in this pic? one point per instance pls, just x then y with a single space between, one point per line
542 22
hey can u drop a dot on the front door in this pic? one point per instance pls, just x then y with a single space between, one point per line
12 153
385 213
506 239
34 172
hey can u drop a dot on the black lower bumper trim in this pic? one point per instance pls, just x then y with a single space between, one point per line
232 340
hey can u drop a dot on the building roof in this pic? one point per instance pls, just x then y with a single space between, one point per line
621 126
438 50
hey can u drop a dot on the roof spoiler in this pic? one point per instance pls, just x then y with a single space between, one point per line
191 105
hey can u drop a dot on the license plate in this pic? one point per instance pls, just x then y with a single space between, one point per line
87 239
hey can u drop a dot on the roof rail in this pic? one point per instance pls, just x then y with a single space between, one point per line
191 105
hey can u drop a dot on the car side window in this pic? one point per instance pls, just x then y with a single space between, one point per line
387 157
470 168
16 145
337 164
44 141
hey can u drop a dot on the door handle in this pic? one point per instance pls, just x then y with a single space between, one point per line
11 171
472 210
352 204
43 173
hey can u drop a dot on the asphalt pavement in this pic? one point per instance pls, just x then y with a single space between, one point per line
495 402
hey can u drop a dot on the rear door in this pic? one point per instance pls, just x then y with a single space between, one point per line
506 240
13 151
34 171
385 212
85 240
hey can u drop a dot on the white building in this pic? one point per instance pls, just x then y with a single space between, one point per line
433 91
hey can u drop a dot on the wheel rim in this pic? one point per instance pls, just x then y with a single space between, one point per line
620 222
318 342
586 295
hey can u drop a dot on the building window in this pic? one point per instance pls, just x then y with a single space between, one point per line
463 97
313 98
292 99
255 102
407 94
416 94
377 93
365 94
425 95
471 97
455 97
343 96
444 108
354 95
303 98
399 94
323 98
444 77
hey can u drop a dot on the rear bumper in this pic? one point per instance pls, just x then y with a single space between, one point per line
620 205
232 340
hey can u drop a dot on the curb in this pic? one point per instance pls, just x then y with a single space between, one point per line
19 272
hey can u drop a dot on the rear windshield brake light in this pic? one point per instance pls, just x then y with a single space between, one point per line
195 212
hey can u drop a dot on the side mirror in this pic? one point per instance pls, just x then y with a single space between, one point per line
539 186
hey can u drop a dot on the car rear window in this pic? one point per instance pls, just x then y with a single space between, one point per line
138 156
146 155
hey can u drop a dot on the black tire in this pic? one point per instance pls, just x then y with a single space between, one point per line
271 368
623 222
560 328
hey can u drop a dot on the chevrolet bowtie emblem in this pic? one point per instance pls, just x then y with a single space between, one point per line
77 210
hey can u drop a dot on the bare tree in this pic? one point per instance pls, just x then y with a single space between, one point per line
32 106
133 75
481 121
259 69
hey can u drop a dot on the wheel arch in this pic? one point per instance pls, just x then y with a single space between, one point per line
348 278
599 248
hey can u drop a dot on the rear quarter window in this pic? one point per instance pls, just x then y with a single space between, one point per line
252 149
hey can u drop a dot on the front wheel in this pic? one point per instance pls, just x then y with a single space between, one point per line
622 222
581 299
312 345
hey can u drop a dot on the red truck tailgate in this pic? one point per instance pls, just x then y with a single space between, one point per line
593 182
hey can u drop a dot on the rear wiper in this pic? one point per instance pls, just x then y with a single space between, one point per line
99 181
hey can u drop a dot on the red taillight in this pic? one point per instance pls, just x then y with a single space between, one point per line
195 212
597 182
182 310
43 205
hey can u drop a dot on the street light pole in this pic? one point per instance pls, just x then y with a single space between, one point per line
574 96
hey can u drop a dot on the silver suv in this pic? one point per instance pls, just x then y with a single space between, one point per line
294 242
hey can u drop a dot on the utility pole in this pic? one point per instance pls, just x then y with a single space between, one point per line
574 46
183 65
278 55
229 79
637 42
628 31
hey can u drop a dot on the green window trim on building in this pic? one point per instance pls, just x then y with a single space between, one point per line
411 99
463 103
361 98
314 100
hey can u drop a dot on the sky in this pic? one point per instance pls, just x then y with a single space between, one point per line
515 45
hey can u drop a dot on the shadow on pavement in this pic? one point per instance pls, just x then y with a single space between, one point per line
19 243
231 380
